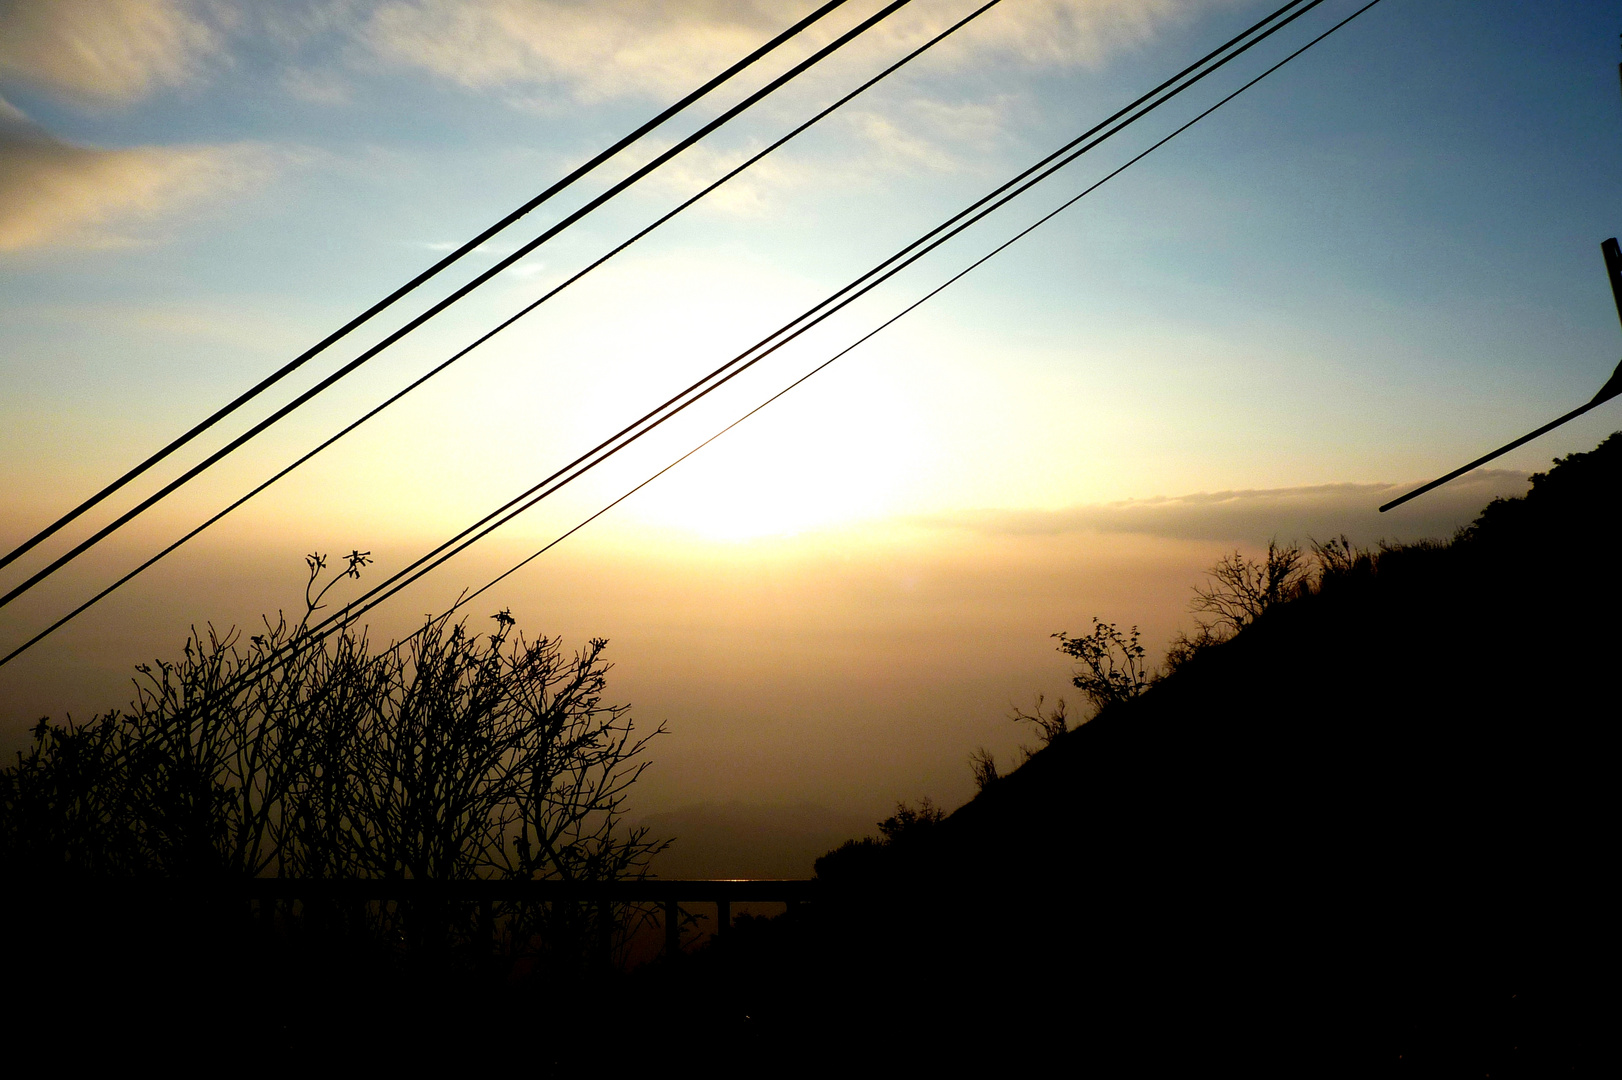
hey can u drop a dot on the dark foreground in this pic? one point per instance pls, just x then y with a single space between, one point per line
1372 834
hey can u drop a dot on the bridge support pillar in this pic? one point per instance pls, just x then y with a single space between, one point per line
672 928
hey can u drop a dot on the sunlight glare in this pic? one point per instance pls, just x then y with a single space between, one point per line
812 460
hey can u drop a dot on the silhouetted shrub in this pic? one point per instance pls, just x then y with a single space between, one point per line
446 757
983 766
1359 827
1049 723
1111 666
908 824
1577 493
902 835
1242 590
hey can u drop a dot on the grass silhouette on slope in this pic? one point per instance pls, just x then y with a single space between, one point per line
1367 828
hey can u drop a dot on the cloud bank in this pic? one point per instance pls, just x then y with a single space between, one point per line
56 193
611 48
107 53
113 52
1255 516
103 52
598 50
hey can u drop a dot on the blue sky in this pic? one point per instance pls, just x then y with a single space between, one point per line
1372 267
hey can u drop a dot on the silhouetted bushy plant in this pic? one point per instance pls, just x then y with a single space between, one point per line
1340 563
1111 666
1561 500
1242 590
64 804
901 835
1185 647
447 757
1049 723
983 766
909 823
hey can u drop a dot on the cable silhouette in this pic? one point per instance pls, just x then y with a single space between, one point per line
348 618
350 614
467 598
437 369
1612 388
1001 195
411 286
230 447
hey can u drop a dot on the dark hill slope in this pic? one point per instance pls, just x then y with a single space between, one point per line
1376 828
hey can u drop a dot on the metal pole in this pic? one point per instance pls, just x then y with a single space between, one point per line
723 917
1611 389
672 927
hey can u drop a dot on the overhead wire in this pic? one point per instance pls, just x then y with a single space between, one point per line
437 369
400 293
1000 196
467 598
1611 390
501 264
388 588
324 631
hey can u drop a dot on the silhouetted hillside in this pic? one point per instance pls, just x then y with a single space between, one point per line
1372 829
1369 833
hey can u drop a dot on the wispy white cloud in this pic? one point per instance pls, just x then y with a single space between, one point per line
540 55
916 135
317 87
594 50
54 193
1073 32
523 270
104 52
292 24
921 133
896 145
526 269
1255 516
113 52
960 122
701 165
443 246
610 48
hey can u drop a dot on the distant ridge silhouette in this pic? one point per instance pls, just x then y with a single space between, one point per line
1368 833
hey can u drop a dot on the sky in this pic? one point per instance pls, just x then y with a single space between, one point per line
1374 266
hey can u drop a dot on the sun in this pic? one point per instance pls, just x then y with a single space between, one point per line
829 457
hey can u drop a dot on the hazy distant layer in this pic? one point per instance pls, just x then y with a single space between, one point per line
848 668
757 840
1376 265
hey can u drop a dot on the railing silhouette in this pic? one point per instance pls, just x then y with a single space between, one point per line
670 894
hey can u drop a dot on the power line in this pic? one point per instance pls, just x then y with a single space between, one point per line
410 286
350 616
351 612
255 430
420 380
1066 154
1611 389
